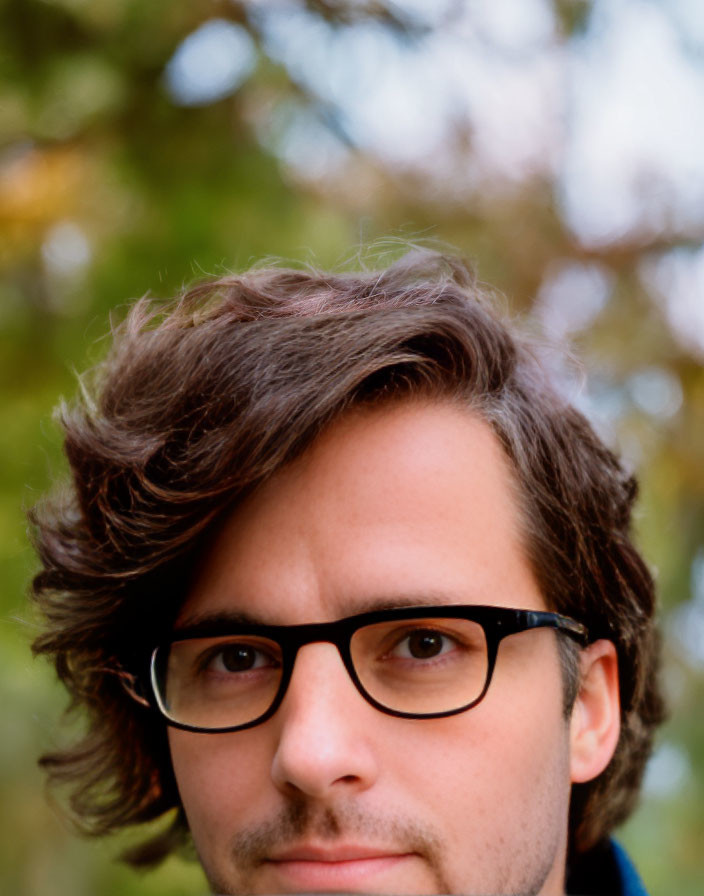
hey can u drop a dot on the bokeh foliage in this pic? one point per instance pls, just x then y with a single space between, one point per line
110 188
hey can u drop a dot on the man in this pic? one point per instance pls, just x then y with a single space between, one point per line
345 584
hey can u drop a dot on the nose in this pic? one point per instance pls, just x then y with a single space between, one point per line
324 748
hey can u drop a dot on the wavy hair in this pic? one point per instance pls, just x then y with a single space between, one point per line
203 399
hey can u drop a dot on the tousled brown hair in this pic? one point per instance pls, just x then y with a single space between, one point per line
201 401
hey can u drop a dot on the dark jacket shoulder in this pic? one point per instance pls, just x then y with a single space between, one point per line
605 870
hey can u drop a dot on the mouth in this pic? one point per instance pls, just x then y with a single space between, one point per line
341 868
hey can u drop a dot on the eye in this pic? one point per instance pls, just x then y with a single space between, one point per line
237 657
423 644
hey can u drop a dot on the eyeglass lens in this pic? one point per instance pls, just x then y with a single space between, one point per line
418 666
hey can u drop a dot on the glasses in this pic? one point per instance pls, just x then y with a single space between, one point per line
411 662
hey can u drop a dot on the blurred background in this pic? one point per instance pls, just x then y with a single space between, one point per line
558 143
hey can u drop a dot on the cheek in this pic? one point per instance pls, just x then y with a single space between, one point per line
499 767
221 780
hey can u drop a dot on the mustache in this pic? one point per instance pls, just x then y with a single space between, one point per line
303 819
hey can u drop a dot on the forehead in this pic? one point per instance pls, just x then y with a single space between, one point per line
396 505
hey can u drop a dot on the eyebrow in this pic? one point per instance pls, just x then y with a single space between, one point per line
226 619
217 619
424 598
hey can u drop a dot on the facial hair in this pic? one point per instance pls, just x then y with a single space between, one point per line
303 819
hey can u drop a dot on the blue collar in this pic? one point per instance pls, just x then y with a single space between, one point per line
631 884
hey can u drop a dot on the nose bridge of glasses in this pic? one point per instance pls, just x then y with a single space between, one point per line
293 638
337 634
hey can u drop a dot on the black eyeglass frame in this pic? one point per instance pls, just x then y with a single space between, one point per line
497 623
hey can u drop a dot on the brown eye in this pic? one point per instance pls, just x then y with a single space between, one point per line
238 658
423 644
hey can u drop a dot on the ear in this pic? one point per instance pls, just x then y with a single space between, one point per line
595 723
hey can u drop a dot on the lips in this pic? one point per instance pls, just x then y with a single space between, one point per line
343 853
324 867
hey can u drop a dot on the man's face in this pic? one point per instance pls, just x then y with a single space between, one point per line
408 504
